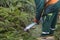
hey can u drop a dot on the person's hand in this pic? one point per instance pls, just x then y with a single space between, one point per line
36 21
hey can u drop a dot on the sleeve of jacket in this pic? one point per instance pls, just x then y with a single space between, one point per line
39 8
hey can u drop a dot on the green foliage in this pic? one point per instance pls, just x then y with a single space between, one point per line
27 5
14 16
57 32
12 23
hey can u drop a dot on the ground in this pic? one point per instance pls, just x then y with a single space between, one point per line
37 32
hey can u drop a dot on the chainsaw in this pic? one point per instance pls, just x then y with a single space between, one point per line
32 24
29 26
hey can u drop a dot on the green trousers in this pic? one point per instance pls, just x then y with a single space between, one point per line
50 18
